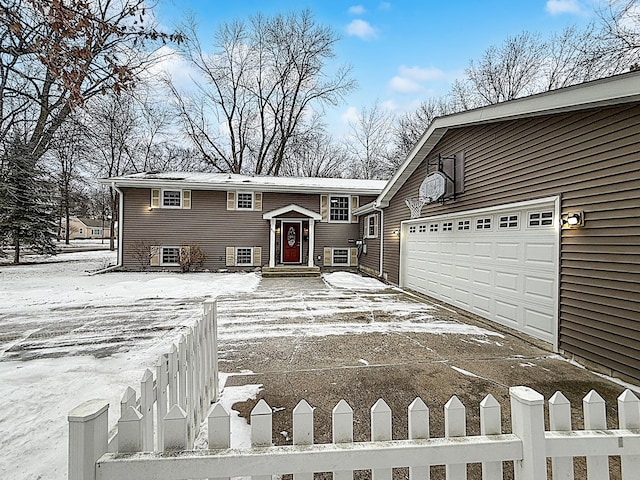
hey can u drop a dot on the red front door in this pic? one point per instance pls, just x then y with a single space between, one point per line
291 242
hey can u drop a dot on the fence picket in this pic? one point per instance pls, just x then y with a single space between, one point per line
128 400
527 422
146 409
182 373
261 425
175 429
629 418
161 399
560 420
172 383
380 432
491 424
455 425
342 432
303 431
595 418
130 431
418 426
219 429
190 387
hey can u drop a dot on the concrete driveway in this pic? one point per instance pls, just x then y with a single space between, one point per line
305 339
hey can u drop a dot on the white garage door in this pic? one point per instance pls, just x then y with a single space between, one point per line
499 264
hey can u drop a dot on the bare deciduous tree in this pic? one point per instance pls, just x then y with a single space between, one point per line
257 91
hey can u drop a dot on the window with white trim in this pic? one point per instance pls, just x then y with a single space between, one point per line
464 225
422 228
540 219
371 226
508 221
483 223
244 256
96 231
244 201
340 256
412 229
339 209
172 198
433 227
447 226
170 256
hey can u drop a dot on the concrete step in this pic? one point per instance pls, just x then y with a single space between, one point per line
290 271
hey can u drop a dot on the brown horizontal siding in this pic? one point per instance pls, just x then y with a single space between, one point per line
592 161
212 227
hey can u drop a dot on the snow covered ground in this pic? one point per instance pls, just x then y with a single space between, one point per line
67 337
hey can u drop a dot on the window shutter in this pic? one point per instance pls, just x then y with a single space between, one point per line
185 254
186 199
355 203
257 256
257 201
154 256
231 256
324 207
353 256
327 256
375 226
155 198
231 200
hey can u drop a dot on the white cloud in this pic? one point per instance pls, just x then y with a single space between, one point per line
357 10
411 79
384 6
558 7
350 115
390 105
362 29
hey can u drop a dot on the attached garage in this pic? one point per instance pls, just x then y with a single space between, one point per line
499 263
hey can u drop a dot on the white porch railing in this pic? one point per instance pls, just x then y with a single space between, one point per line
528 446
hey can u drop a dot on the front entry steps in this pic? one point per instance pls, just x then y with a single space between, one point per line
290 271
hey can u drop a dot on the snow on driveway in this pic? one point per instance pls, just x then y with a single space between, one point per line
67 337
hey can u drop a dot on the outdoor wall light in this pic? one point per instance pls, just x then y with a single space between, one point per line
573 220
396 232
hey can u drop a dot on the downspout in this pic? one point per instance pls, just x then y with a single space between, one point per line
381 236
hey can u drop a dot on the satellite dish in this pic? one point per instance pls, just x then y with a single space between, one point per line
433 186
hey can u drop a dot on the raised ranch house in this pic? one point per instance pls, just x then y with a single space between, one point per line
240 222
526 213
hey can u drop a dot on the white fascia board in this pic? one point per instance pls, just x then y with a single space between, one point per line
292 208
624 88
365 209
124 182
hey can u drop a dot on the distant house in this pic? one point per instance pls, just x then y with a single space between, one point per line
240 222
86 228
526 213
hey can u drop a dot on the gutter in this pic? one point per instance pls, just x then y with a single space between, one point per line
381 231
120 224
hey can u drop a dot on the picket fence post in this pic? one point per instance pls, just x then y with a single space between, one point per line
455 425
418 426
560 420
380 432
88 438
595 418
213 322
342 431
161 399
629 418
527 422
261 426
175 429
130 431
146 408
491 424
303 431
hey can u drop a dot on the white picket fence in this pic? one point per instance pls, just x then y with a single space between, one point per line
186 378
528 446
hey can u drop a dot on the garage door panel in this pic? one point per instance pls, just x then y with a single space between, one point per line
507 281
506 274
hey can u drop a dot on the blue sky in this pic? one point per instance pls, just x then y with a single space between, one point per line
401 52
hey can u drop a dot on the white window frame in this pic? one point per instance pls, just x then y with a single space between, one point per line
96 231
169 264
483 221
162 192
253 201
348 219
369 225
333 255
509 221
550 222
463 225
235 255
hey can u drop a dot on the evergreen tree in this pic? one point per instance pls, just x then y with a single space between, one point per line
27 217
